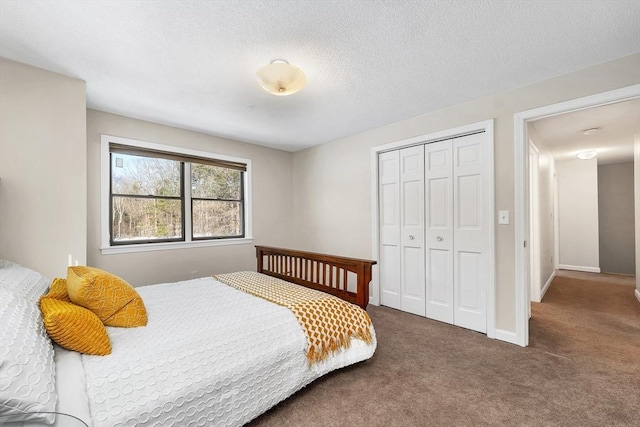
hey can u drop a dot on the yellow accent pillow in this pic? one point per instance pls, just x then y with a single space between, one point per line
58 290
74 327
113 300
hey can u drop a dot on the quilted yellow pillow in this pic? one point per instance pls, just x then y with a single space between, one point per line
58 290
113 300
74 327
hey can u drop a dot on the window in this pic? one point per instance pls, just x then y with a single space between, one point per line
216 202
147 199
159 197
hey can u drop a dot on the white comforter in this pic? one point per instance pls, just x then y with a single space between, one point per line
210 355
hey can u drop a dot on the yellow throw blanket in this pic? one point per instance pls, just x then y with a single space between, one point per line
328 322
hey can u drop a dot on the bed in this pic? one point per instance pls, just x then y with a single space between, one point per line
211 354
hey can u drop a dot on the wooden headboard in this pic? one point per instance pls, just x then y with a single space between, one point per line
346 278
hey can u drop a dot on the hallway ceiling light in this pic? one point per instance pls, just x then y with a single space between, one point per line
587 155
590 131
281 78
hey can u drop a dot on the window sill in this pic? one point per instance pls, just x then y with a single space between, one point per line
148 247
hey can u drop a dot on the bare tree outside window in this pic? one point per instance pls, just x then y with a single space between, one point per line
216 195
148 200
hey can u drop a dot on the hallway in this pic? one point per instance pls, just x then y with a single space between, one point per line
593 320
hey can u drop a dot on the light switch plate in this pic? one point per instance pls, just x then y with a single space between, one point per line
503 217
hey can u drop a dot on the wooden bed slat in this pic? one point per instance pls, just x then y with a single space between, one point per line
322 272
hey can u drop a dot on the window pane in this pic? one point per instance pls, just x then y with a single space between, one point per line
144 176
146 219
213 182
216 219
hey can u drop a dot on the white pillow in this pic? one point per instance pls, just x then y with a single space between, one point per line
22 281
27 371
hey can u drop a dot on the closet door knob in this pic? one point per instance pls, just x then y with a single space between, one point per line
439 238
411 237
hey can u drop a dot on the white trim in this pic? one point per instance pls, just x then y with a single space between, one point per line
104 191
435 136
248 199
187 206
521 215
579 268
106 248
374 290
506 336
486 126
545 288
556 224
149 247
172 149
491 290
636 197
637 294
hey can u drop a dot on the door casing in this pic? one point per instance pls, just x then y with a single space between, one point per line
521 190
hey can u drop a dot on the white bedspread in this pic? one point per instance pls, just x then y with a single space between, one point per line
209 356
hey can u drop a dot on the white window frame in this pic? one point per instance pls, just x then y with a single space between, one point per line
106 248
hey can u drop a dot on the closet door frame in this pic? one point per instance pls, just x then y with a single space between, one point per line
484 126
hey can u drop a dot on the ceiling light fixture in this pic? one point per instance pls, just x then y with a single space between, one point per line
587 155
590 131
281 78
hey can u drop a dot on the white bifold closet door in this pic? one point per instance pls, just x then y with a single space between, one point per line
412 229
439 228
434 233
401 189
471 212
389 217
455 256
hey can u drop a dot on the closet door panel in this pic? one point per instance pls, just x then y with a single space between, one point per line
469 232
468 222
439 231
413 280
469 273
390 276
389 198
438 274
412 229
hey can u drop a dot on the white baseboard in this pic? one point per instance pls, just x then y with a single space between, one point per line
507 336
637 294
546 285
579 268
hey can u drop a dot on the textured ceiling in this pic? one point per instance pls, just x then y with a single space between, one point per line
192 64
618 123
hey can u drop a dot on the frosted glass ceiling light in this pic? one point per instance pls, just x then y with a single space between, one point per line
281 78
587 155
591 131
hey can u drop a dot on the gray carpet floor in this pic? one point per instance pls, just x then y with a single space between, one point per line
582 368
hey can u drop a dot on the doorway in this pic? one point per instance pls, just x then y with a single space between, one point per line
523 167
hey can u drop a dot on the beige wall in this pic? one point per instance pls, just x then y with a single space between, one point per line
43 186
316 199
547 246
578 214
272 214
332 182
616 218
